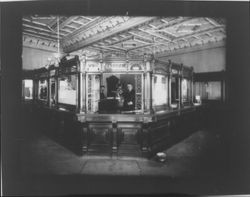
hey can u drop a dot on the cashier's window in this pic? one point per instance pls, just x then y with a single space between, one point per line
43 89
214 90
67 90
208 90
186 90
27 89
160 90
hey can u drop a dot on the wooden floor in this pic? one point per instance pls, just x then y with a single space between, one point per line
201 154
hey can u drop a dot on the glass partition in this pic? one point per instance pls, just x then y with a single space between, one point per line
67 90
114 93
28 89
186 90
174 90
208 90
214 90
93 92
43 89
53 91
160 90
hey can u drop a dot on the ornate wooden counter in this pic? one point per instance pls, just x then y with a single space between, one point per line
138 133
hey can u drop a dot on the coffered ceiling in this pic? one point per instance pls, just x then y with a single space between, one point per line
119 35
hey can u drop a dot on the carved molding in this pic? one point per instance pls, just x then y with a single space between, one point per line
121 35
38 43
133 22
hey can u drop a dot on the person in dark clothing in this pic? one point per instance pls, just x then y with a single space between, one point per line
112 82
129 98
102 95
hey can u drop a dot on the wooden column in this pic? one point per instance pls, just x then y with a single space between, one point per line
56 87
48 91
144 92
152 66
147 88
192 86
34 90
145 139
114 137
180 87
79 92
179 92
61 129
49 95
151 93
57 90
85 136
83 106
222 91
84 95
169 84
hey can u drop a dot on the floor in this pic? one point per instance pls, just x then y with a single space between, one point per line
194 165
42 155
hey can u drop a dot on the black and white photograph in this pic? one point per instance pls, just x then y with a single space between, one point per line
125 98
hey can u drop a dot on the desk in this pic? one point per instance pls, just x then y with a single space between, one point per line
110 105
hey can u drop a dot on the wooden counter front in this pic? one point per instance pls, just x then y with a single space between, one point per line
119 134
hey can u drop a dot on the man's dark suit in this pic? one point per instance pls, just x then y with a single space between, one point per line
129 97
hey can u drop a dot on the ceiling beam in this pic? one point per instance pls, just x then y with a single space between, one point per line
53 22
149 40
65 30
32 22
122 40
33 25
77 22
86 27
214 23
40 36
110 48
133 22
155 34
140 36
38 28
142 46
41 31
65 22
141 41
101 48
173 23
209 30
164 21
167 32
85 17
115 47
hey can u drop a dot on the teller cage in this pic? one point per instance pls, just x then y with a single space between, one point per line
113 106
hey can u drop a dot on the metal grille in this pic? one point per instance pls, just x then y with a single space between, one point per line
89 92
138 91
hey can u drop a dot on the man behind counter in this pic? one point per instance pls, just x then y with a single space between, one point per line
102 94
129 98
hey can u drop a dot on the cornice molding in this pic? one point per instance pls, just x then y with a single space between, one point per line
192 49
39 43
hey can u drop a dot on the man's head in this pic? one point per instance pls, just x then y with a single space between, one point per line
102 88
130 87
119 86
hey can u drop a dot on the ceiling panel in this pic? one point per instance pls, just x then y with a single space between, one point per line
122 34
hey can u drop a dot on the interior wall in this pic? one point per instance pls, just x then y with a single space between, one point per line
35 58
203 59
